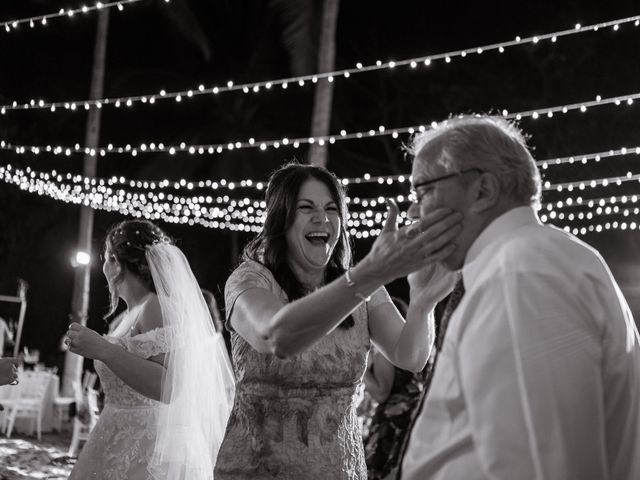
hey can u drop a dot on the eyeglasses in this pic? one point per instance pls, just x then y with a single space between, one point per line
414 197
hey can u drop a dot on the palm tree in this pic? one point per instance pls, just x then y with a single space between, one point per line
312 48
323 99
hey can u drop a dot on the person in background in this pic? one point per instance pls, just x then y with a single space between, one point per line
6 337
8 372
212 304
538 376
303 319
397 395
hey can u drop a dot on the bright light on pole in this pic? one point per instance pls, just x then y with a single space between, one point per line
83 258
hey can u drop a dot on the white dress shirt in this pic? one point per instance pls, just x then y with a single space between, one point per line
539 374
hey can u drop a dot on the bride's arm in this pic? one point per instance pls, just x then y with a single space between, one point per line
144 375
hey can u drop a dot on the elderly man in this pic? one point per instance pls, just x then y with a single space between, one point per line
538 376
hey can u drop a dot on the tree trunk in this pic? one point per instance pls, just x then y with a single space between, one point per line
323 99
80 299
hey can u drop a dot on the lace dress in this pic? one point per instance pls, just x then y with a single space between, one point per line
295 418
122 441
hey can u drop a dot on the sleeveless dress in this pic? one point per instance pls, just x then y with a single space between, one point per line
295 418
122 442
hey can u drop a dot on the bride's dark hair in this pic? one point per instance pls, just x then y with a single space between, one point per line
127 242
270 245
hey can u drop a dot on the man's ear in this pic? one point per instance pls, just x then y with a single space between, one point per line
486 189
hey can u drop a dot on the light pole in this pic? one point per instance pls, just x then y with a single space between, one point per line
82 276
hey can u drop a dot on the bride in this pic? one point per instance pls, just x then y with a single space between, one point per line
167 380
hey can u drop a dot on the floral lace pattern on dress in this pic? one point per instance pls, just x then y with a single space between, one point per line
295 418
148 344
122 441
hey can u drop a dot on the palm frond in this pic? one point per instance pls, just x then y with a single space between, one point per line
300 21
184 19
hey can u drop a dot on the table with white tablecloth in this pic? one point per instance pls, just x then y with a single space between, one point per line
23 425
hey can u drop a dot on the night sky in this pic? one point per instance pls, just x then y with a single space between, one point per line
153 45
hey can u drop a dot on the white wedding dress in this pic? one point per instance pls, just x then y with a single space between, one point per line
122 442
137 438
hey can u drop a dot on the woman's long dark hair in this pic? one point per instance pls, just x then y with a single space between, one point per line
128 241
270 246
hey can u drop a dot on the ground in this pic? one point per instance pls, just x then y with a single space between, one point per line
24 457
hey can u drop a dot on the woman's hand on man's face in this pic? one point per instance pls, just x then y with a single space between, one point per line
400 251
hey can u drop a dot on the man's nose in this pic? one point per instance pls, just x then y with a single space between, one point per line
413 213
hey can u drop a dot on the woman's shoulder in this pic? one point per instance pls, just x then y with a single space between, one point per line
248 275
250 270
251 265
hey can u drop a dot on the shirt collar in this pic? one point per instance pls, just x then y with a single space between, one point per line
505 223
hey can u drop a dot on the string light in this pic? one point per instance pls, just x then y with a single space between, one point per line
545 164
43 20
600 227
577 202
579 185
631 219
389 180
247 214
132 204
180 185
283 83
599 208
596 182
583 159
210 149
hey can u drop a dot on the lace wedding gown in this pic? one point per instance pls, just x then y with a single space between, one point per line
122 441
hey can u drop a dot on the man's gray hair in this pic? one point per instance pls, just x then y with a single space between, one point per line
489 143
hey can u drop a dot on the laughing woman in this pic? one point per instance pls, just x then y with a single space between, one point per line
302 322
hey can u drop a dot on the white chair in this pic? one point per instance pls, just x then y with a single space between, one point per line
29 402
88 380
85 399
10 394
61 405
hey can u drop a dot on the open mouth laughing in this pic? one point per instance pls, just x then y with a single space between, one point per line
318 239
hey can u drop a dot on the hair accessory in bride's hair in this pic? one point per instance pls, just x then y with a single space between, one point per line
161 240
